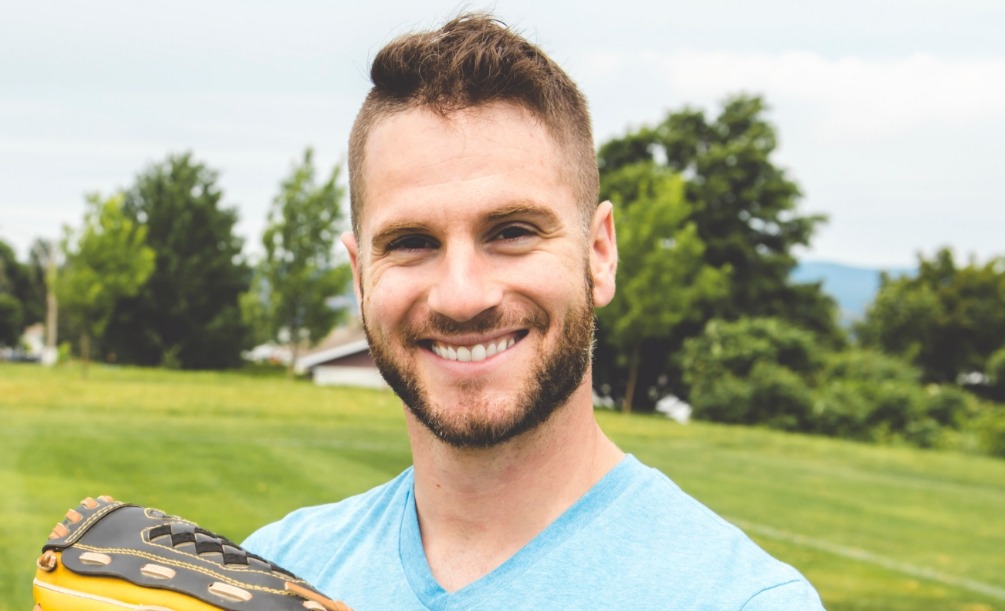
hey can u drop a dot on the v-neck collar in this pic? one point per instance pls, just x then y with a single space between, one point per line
493 586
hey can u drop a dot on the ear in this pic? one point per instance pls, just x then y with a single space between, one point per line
349 241
603 254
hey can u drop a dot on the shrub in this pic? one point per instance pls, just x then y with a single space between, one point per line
991 431
995 372
752 371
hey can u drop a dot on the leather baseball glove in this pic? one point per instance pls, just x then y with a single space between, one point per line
108 555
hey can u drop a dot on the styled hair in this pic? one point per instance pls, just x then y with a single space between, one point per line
471 61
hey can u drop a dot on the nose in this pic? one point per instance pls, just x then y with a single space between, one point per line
465 284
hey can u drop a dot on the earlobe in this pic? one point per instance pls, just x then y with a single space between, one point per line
603 254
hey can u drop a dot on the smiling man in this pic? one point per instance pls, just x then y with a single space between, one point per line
479 253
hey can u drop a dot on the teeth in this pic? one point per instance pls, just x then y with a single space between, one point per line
478 352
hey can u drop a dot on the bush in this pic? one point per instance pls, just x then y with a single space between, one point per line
751 371
871 410
763 371
991 431
995 372
872 396
950 405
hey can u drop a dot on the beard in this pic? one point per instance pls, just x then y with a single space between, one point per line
556 374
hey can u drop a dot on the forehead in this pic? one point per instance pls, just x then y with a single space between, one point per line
421 162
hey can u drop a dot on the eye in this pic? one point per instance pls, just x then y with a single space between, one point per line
412 243
514 232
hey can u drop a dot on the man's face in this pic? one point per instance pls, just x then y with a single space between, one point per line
475 272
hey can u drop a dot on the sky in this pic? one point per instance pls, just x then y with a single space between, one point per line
890 113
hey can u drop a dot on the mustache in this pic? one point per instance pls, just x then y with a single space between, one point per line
491 319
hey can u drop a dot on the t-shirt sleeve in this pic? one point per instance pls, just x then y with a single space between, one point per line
262 541
796 595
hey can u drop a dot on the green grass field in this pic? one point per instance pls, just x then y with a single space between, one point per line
872 527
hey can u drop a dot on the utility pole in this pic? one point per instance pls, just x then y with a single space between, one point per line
50 354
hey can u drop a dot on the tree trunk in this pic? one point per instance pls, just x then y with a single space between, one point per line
50 352
85 352
633 376
294 353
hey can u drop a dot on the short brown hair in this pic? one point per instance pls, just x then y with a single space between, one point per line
473 60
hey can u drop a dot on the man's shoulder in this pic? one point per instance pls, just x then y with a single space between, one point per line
675 542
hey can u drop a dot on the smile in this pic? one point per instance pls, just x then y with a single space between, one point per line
473 353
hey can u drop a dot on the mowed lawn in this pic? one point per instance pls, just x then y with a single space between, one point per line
872 527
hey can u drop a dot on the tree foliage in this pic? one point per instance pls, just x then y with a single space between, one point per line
770 372
299 273
948 319
11 316
743 206
734 226
995 372
19 305
663 280
11 310
186 315
107 259
752 371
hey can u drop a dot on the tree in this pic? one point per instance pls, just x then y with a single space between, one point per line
948 319
742 208
752 371
19 307
299 273
11 315
106 260
995 372
663 280
742 205
187 313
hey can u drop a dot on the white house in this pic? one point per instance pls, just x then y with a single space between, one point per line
343 359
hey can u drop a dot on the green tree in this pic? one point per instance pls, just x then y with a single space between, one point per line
187 314
947 319
663 280
743 206
753 371
868 395
105 260
21 308
11 315
995 372
299 273
743 209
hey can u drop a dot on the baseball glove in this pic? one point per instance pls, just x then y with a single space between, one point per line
109 555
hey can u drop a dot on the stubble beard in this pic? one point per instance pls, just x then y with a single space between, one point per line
477 423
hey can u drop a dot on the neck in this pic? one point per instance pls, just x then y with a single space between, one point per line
477 508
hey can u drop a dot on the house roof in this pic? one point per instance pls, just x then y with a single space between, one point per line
340 343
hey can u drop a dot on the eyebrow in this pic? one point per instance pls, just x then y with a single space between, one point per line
392 230
523 209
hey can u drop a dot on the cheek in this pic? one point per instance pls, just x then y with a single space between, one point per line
389 296
554 285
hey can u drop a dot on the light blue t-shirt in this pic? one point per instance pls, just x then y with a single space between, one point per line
633 541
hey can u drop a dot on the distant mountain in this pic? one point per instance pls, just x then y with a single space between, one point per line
852 287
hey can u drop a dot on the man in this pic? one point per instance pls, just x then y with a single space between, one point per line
479 253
